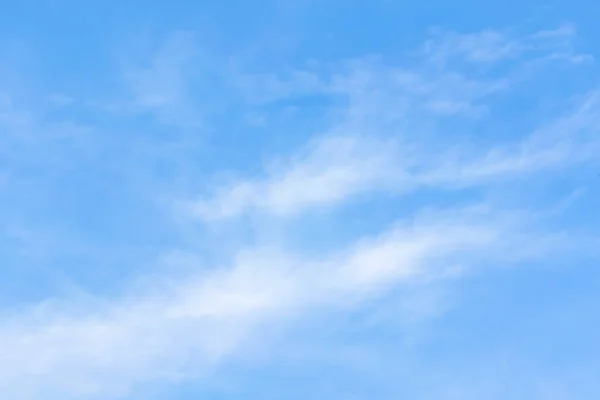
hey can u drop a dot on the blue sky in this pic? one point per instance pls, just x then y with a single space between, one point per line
299 199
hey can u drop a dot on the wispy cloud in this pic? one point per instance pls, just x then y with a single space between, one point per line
334 168
177 331
393 128
157 77
490 46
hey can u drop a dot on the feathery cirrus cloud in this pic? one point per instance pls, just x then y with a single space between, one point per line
392 130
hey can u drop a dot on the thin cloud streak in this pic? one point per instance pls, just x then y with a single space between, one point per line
182 330
337 168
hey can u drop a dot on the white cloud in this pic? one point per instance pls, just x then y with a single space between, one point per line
490 46
181 330
335 168
486 46
98 349
382 138
157 80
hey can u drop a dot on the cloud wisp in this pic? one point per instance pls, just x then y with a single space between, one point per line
180 330
393 130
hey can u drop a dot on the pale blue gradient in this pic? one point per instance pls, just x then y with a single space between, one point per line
299 200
